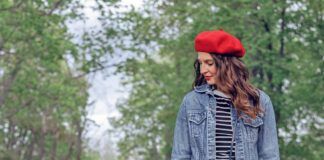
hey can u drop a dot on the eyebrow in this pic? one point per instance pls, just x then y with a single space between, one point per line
206 60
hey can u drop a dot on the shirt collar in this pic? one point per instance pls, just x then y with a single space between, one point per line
220 93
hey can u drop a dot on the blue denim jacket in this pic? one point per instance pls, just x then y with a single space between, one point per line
194 135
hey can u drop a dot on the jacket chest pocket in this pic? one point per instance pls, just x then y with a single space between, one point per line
251 129
197 129
197 121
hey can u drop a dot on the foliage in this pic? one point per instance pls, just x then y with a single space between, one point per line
42 98
284 47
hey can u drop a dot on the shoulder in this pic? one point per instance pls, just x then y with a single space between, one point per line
190 97
186 101
264 97
194 100
265 101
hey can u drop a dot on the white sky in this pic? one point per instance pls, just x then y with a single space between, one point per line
105 91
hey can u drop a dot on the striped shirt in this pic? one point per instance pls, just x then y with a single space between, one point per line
224 129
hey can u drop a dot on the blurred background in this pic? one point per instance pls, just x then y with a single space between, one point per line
103 79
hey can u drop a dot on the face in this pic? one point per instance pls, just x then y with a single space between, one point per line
207 67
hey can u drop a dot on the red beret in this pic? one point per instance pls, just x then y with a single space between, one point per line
219 42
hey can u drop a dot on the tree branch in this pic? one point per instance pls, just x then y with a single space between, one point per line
101 67
56 5
12 8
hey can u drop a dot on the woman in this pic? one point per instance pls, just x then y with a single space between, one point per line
224 117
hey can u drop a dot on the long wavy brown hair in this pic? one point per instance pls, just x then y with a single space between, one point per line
232 79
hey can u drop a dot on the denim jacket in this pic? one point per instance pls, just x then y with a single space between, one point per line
194 134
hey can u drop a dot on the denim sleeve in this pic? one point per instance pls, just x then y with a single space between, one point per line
181 145
268 141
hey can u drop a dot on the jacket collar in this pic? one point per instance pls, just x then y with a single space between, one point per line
205 88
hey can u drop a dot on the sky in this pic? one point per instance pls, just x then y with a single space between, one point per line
104 90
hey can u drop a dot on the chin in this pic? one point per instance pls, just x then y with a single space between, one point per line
211 83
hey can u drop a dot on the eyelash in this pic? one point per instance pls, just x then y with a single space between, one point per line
209 64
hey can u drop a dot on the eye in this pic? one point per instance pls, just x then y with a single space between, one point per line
210 64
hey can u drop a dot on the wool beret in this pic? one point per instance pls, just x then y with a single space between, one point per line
219 42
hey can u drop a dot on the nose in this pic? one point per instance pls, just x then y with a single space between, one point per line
203 69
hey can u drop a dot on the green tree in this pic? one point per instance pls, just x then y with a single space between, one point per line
43 98
284 47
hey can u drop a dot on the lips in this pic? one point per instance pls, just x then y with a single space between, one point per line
208 78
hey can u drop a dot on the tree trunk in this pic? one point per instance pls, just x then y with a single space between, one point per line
41 145
54 146
7 83
282 30
30 149
79 140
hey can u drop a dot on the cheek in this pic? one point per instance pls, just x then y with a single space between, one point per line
213 70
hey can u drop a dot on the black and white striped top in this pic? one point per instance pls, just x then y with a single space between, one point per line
224 128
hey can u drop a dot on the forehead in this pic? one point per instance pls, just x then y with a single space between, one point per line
204 56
